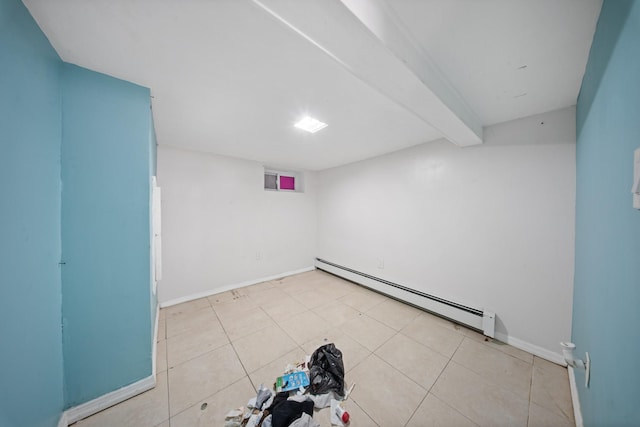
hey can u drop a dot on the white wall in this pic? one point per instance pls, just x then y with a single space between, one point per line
216 219
490 226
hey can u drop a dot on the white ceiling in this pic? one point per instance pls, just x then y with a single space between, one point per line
232 76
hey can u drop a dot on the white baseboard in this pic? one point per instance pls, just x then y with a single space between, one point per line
575 398
232 287
532 348
94 406
105 401
62 422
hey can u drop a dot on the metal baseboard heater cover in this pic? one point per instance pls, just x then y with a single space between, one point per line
481 320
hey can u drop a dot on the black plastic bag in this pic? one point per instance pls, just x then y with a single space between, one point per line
326 370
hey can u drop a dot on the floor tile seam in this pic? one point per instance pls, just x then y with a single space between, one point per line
499 351
482 376
219 389
497 348
455 410
388 325
490 379
508 354
281 328
418 406
236 312
234 348
363 410
355 338
164 421
440 326
309 308
440 398
385 341
260 328
557 410
195 357
219 309
549 370
415 342
187 330
164 328
504 389
300 344
188 313
166 358
168 392
428 346
561 413
449 360
360 362
374 305
337 326
402 373
275 358
207 397
283 318
274 380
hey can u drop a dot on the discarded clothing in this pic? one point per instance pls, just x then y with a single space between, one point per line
266 422
234 418
284 411
305 421
263 396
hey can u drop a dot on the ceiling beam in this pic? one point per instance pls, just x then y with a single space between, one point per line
368 40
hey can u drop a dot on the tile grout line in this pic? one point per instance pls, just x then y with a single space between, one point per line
166 359
206 398
233 347
530 392
434 382
490 380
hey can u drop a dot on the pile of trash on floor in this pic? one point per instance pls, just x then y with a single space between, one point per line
317 382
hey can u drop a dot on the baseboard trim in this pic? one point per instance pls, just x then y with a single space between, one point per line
62 422
532 348
226 288
575 398
105 401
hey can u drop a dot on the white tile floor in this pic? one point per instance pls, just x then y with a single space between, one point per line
410 368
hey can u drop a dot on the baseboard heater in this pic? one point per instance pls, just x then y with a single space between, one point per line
481 320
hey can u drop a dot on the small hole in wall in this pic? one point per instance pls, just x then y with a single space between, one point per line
203 406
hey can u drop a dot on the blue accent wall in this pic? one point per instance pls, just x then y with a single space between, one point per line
105 234
31 372
606 308
153 161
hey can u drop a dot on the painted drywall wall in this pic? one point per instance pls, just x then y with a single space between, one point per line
490 226
105 234
220 227
31 378
607 267
153 158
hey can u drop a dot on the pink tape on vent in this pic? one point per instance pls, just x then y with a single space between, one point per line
287 183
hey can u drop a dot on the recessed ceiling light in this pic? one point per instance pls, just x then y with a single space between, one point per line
310 124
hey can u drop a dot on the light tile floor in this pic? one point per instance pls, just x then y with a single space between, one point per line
410 368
